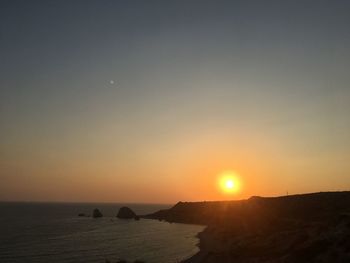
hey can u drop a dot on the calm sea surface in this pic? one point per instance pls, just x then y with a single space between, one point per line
42 232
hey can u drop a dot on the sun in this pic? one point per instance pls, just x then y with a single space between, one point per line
229 182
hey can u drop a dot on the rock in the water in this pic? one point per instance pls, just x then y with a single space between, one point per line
97 213
126 213
81 214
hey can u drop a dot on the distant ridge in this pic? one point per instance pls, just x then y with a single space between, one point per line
299 206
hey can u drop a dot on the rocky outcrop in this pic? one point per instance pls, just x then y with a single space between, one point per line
126 213
96 213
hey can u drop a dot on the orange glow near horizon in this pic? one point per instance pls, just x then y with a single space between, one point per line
229 182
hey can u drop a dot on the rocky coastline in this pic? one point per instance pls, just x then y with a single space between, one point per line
298 228
306 228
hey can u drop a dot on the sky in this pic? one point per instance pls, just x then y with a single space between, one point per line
150 101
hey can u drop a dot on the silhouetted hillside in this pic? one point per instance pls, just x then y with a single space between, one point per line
300 228
295 207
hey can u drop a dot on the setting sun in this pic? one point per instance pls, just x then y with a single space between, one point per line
229 182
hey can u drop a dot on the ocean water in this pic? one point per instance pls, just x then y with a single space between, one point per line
52 232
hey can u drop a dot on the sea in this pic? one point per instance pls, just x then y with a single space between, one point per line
53 232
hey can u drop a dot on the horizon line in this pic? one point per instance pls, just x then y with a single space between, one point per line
172 203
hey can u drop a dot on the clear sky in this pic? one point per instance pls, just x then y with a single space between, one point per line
148 101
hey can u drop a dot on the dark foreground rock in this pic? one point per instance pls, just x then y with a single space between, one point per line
126 213
310 242
96 213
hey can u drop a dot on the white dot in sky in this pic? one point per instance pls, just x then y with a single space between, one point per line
111 82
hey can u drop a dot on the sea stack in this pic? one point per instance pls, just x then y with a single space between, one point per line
96 213
126 213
